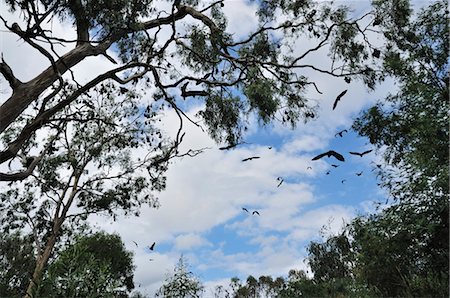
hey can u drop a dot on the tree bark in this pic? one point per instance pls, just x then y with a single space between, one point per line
42 261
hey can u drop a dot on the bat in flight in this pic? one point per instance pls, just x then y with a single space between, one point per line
359 174
338 98
334 166
362 153
251 158
230 146
255 212
135 243
329 154
309 168
245 209
281 181
342 181
152 247
340 133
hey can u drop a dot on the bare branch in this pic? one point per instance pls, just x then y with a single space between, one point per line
30 167
7 72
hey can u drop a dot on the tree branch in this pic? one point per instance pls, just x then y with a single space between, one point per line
24 174
7 72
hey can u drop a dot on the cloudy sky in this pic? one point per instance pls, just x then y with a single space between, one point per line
201 213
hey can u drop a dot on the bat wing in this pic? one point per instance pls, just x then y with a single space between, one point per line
320 156
335 103
338 98
365 152
337 155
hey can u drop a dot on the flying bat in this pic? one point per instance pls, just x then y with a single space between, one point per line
327 173
255 212
340 133
135 243
334 166
342 181
329 154
309 168
359 174
245 209
251 158
281 181
229 146
361 154
123 90
152 247
338 98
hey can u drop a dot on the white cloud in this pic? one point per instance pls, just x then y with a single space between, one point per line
208 191
189 241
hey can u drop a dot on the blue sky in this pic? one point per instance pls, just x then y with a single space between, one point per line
201 212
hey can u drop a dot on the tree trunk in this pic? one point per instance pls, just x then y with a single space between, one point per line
41 262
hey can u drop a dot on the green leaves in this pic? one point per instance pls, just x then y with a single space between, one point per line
222 114
182 283
93 266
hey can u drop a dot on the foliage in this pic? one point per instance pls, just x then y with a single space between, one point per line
93 266
16 263
331 260
403 249
102 151
182 283
413 127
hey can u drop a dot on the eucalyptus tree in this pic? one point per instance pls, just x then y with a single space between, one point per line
182 283
96 265
70 149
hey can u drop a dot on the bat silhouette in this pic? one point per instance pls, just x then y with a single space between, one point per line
338 98
281 181
251 158
361 154
327 173
334 166
255 212
270 147
359 174
343 181
245 209
152 247
123 90
135 243
230 146
309 168
340 133
329 154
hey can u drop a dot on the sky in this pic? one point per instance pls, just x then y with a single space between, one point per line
200 214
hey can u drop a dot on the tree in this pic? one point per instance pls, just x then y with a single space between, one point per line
331 260
413 127
403 249
182 283
93 266
16 263
94 127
